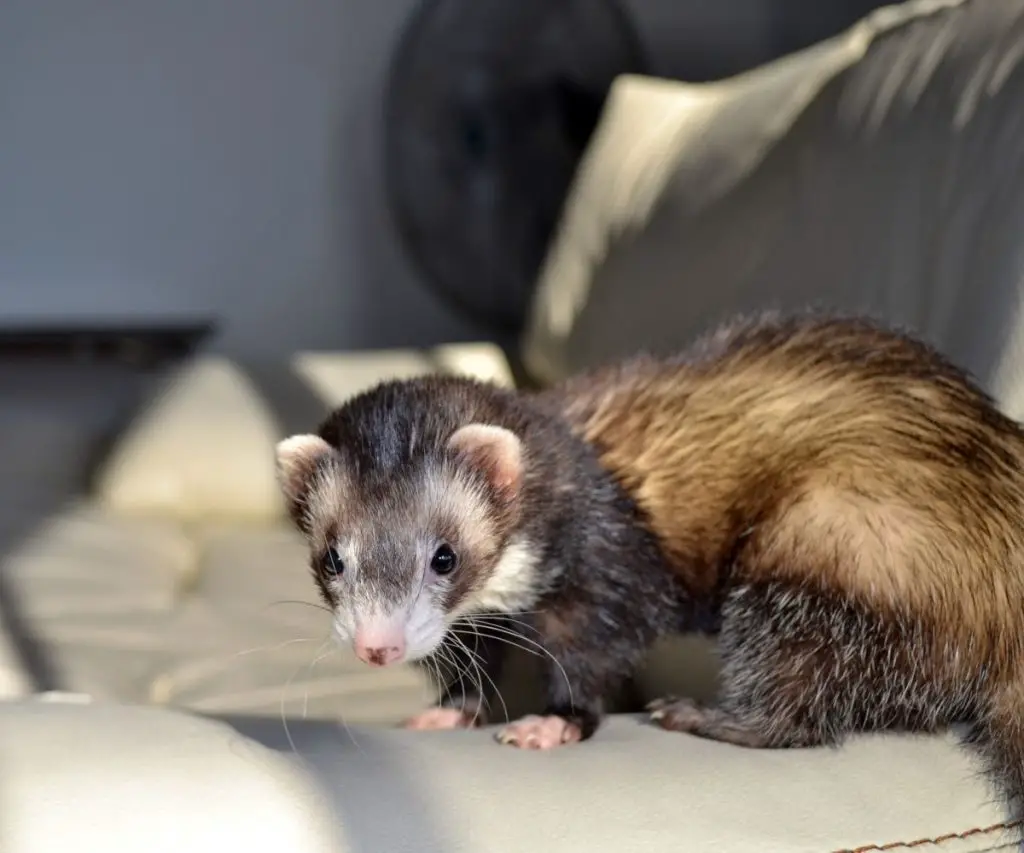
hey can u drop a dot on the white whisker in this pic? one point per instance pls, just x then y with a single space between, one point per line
325 649
509 637
481 669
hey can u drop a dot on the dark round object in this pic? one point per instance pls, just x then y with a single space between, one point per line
489 106
443 560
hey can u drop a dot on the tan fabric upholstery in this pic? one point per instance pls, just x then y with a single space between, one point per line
200 449
634 788
114 779
121 780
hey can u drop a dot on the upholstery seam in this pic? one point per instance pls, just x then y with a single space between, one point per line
939 839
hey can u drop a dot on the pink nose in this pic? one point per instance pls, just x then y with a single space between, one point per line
379 648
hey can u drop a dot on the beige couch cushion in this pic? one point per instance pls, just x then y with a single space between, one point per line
122 780
218 618
635 789
203 448
113 779
874 172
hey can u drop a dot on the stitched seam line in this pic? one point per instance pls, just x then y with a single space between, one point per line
939 839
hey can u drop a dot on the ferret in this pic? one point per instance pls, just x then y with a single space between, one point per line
836 502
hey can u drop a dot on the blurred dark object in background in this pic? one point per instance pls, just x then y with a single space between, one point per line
489 108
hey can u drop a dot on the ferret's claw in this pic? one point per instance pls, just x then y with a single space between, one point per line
533 732
683 715
658 707
686 715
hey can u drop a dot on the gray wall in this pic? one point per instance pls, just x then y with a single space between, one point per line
164 158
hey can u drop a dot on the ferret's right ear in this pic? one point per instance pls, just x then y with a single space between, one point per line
297 459
495 451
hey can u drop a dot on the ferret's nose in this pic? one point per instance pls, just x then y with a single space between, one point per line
379 648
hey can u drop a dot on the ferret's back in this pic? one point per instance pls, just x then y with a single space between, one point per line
805 434
808 385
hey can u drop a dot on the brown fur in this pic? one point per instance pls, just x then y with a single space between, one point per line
831 453
845 510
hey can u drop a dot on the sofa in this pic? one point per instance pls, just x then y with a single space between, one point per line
169 681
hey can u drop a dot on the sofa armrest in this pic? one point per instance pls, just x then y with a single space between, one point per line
118 779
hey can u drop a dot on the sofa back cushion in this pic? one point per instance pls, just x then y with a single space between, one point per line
877 172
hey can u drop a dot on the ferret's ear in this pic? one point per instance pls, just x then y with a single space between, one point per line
297 458
494 450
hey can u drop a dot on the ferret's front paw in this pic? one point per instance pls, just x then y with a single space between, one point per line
439 719
534 732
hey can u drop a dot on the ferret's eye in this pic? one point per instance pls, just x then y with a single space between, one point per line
444 560
332 562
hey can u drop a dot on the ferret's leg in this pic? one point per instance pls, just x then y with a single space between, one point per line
573 710
997 734
586 660
716 723
469 664
773 674
802 669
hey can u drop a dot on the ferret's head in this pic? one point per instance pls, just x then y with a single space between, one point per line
408 531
